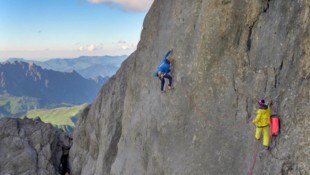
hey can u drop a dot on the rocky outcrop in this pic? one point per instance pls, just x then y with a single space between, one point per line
228 53
32 147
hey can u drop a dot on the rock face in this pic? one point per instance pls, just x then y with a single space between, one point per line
228 53
32 147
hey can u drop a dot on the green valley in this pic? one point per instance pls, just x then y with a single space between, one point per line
10 105
63 117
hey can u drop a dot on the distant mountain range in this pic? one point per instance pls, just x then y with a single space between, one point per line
27 86
87 66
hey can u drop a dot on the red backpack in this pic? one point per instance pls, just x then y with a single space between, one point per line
274 124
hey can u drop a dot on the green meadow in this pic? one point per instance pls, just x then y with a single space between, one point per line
63 117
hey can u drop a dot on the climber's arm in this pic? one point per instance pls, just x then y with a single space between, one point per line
257 118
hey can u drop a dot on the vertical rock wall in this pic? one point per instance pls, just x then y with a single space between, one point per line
228 53
30 147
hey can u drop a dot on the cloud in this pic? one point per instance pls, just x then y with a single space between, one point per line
120 45
48 54
91 47
127 46
121 42
130 5
124 45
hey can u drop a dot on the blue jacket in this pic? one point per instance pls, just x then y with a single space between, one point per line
164 65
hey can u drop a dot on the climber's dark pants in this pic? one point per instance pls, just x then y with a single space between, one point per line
163 81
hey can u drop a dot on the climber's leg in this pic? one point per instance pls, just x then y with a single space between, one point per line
170 80
266 136
162 84
258 132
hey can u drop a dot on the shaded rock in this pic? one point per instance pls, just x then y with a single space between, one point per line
227 55
38 119
31 147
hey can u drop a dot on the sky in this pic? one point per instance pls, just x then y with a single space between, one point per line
44 29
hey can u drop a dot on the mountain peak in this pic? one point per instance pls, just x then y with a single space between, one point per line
27 79
87 66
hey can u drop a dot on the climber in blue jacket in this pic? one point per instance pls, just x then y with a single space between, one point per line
163 71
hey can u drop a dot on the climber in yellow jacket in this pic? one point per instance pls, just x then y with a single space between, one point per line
262 121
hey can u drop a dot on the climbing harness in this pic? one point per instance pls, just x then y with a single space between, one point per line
233 126
274 131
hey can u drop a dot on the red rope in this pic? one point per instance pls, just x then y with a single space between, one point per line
254 156
231 127
237 126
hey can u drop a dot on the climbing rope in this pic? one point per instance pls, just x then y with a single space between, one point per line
234 126
254 156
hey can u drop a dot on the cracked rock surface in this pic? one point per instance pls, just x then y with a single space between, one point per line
29 147
228 53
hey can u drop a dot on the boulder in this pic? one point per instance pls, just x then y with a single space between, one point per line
31 147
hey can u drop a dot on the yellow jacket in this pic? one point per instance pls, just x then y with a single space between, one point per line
262 117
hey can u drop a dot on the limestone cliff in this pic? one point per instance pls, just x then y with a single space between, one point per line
29 147
228 53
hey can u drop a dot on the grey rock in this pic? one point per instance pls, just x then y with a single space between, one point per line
38 119
227 53
30 147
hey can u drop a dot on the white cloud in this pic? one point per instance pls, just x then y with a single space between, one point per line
48 54
122 42
132 5
120 47
91 47
125 47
